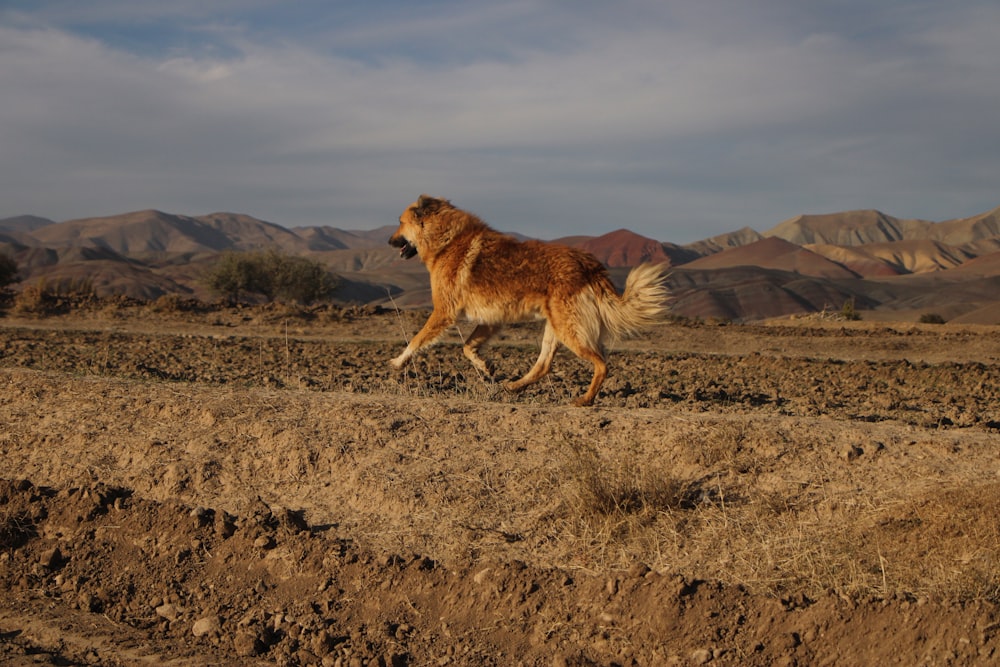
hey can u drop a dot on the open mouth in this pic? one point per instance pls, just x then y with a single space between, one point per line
406 249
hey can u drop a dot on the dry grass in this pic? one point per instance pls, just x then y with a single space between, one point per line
15 529
733 524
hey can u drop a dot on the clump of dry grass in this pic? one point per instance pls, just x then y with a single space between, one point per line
617 510
623 487
16 527
733 522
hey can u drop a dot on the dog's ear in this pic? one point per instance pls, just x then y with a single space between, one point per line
427 205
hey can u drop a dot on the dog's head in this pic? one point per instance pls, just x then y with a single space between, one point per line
410 234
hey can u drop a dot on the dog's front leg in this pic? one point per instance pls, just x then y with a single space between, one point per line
432 329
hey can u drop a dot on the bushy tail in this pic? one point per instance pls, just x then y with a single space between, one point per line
641 305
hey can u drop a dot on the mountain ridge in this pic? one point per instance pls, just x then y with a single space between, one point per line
803 264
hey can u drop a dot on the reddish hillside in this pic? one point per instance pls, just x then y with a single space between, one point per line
625 248
774 253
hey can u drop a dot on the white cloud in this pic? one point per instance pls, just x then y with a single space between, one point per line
672 120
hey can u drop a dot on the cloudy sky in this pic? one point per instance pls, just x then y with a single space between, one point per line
676 119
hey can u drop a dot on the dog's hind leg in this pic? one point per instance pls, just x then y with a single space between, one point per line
477 339
600 372
544 363
588 350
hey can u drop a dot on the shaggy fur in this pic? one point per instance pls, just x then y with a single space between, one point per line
491 279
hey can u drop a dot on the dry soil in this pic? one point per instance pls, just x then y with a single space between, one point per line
192 485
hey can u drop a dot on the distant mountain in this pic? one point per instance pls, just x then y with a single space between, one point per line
136 232
331 238
740 237
246 233
732 293
625 248
23 223
966 232
917 255
152 231
889 266
855 228
849 228
774 253
856 259
985 265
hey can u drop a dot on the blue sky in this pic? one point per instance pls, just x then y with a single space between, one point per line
679 120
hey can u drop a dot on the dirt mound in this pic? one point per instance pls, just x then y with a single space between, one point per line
109 578
195 486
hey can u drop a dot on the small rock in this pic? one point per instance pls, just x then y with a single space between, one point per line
264 542
206 626
851 452
51 559
168 611
248 644
701 657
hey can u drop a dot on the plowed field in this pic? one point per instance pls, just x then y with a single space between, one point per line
196 485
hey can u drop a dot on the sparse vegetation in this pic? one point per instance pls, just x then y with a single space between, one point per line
46 298
931 318
271 275
849 312
8 270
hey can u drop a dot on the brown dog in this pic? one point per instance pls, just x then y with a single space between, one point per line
492 279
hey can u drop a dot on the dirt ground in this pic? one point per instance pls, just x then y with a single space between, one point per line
188 485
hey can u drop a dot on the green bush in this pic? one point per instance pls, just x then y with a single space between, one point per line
272 275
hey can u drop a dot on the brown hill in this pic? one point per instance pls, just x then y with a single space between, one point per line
246 233
23 223
710 246
137 232
773 253
917 255
110 277
152 231
968 231
751 293
742 275
985 266
848 228
331 238
855 259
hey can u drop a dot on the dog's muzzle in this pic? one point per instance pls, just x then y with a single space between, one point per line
406 249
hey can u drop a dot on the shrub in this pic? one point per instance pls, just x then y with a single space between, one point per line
272 275
931 318
849 312
8 270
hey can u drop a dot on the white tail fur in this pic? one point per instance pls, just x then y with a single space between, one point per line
641 305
